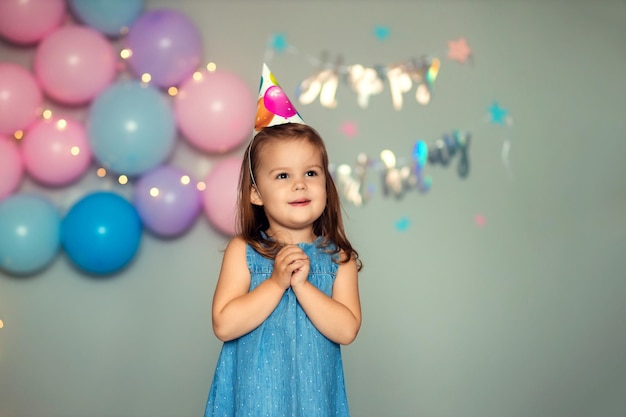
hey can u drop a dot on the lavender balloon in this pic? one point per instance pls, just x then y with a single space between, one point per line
165 44
167 200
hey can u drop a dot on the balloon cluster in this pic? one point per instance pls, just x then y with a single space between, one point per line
137 102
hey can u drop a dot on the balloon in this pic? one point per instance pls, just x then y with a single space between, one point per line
131 128
20 98
110 17
215 111
56 151
220 196
28 21
165 44
29 233
11 166
101 232
277 102
167 200
263 115
74 64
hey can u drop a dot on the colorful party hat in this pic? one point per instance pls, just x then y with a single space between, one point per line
273 107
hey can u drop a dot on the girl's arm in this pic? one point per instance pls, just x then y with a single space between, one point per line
337 317
236 310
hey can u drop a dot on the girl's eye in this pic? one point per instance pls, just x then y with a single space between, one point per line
311 173
281 176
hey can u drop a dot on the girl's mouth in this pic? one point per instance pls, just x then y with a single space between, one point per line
300 203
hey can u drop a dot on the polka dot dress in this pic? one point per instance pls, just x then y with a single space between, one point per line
285 367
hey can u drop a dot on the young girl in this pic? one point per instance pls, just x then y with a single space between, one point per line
287 295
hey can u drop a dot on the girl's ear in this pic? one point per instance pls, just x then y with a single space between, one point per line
255 196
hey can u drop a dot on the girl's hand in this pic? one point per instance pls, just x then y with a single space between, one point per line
300 275
291 266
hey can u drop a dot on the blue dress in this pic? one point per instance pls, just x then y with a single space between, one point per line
284 367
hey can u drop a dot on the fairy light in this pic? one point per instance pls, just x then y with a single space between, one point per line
18 135
197 76
75 150
211 66
145 77
185 180
101 172
47 114
122 179
1 324
172 91
126 53
201 186
61 124
154 192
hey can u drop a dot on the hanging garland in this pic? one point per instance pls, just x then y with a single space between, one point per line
400 78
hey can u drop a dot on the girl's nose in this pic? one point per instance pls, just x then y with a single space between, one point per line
299 185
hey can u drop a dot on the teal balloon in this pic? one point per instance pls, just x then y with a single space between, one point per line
110 17
101 233
29 233
131 128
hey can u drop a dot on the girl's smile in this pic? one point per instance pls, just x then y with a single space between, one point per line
300 202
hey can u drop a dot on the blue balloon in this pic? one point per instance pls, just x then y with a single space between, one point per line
101 232
131 128
110 17
29 233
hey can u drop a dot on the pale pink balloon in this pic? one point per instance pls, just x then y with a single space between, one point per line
11 167
74 64
26 22
219 199
56 151
215 111
20 98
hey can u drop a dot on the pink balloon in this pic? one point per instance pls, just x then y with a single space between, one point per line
11 167
74 64
56 151
220 196
215 112
277 102
20 98
28 21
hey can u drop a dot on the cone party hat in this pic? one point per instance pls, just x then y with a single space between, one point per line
273 106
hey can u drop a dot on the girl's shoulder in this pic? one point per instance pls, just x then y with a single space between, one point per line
236 245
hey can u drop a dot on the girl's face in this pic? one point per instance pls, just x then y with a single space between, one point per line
291 188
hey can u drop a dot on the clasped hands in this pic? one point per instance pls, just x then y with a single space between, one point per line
291 267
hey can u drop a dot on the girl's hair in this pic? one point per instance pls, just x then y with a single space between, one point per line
251 219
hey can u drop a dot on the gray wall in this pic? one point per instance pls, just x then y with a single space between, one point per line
522 317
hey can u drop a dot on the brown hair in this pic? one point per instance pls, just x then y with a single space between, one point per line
251 219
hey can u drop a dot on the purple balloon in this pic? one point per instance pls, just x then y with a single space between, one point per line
167 200
165 44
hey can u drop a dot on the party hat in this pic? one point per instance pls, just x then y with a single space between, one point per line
273 107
